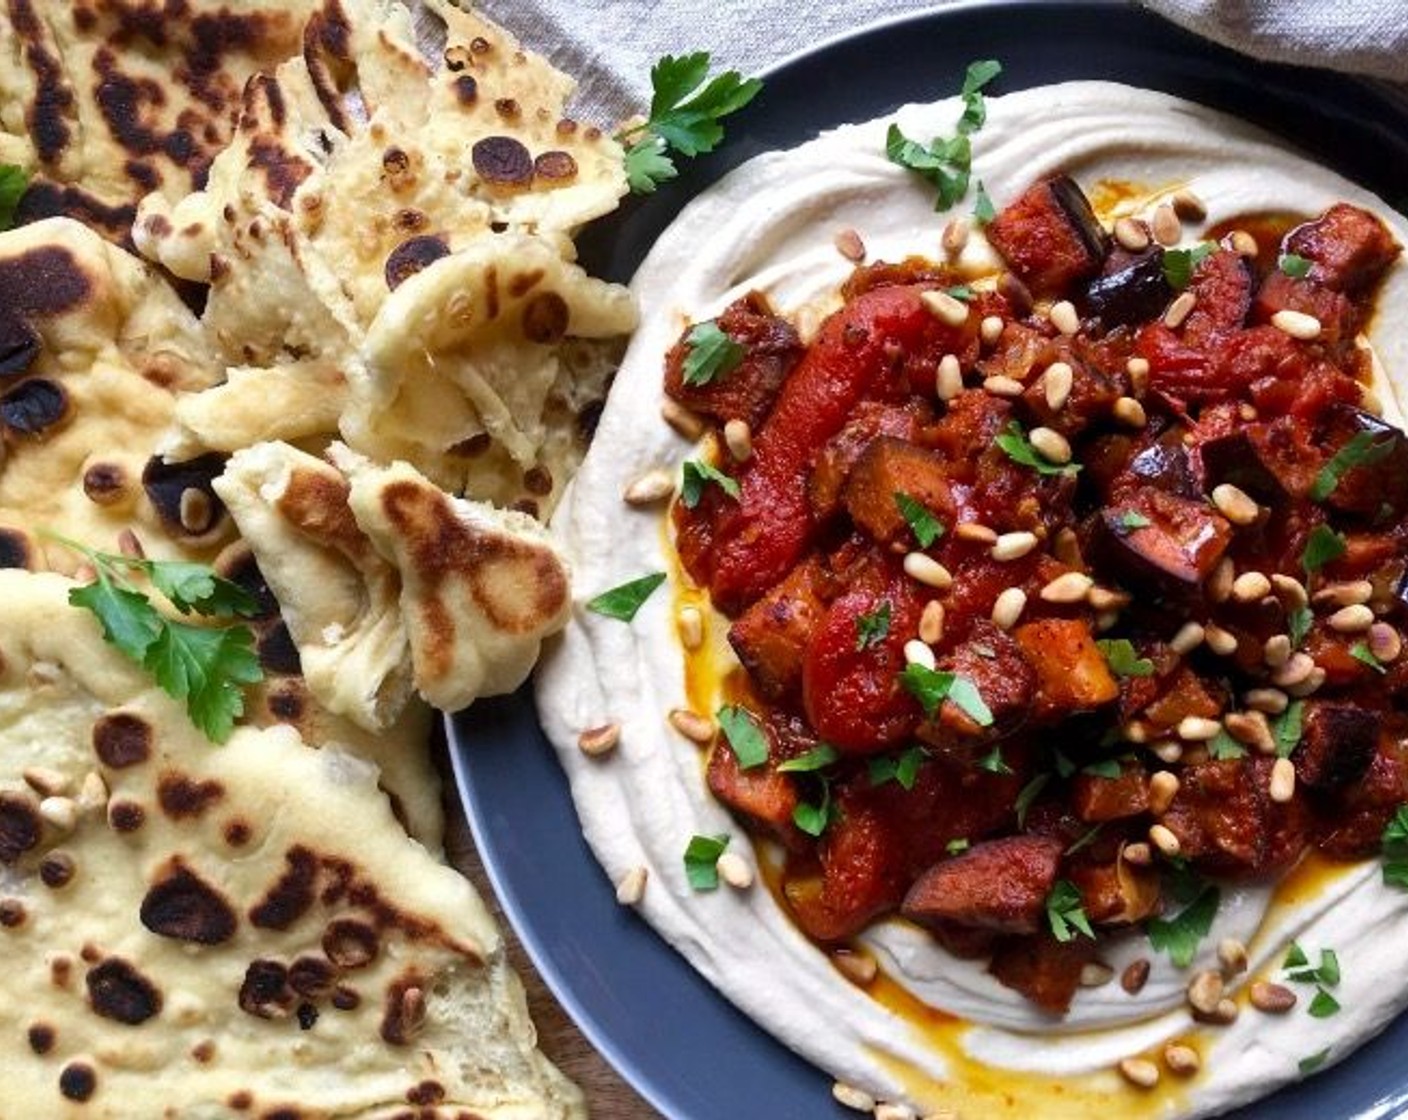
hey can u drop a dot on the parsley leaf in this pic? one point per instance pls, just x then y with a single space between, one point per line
819 757
1294 265
1298 623
902 768
1123 658
1313 1062
965 694
993 762
710 353
1180 936
947 163
1084 840
925 526
207 667
931 687
1224 748
1065 913
815 819
701 860
1028 794
684 116
873 627
958 845
1361 652
1104 768
624 601
1323 546
13 183
1323 1005
1129 521
1013 440
964 293
983 209
1360 451
750 745
1179 264
697 475
1286 728
1395 849
975 108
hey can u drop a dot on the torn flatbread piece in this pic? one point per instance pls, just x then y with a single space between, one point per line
192 931
481 587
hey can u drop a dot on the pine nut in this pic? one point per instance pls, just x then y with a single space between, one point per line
1345 594
93 793
990 329
852 1097
1182 1061
955 237
1233 955
1163 838
1129 411
1297 324
948 381
1282 786
1385 642
596 741
1071 587
1139 1072
46 782
1312 683
738 438
1135 731
733 869
1001 386
1130 234
1243 243
61 812
1064 317
691 628
1252 729
1277 650
928 571
918 653
1163 788
651 487
855 967
1066 548
631 889
1274 999
1251 587
952 312
686 423
1135 976
1222 642
1008 608
1352 620
1189 206
1205 992
1294 671
1220 581
893 1110
693 726
1051 444
1013 546
1198 729
972 531
1168 230
1138 370
1167 751
1290 591
1179 310
849 245
1137 853
1189 637
1225 1012
1235 504
1272 701
1104 599
1056 382
931 622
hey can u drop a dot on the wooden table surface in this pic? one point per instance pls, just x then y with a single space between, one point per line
608 1096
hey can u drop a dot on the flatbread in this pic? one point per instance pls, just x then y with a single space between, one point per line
194 931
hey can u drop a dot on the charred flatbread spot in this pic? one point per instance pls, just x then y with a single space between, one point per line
508 108
426 1093
503 160
277 652
51 112
121 739
292 896
284 172
12 913
545 318
184 907
480 45
413 256
78 1081
143 174
61 970
312 977
403 1013
346 999
350 944
203 1051
106 484
475 445
44 199
265 993
181 797
20 826
466 89
16 551
19 344
525 282
241 1100
56 870
307 1016
166 485
555 166
42 1038
126 816
287 702
237 833
409 219
538 480
34 406
119 992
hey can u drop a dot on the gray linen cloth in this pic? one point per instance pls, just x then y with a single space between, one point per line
610 45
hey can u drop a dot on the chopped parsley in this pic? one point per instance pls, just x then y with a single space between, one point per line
1324 975
624 601
958 845
964 293
1294 265
1394 847
873 627
1323 546
902 768
947 163
13 183
1104 768
994 763
709 354
1286 728
923 524
701 860
1130 521
1361 652
1123 658
699 474
1179 264
1181 935
1013 440
1298 622
931 687
1224 748
1065 912
815 819
983 209
1363 450
750 745
1029 794
1313 1062
818 758
1084 840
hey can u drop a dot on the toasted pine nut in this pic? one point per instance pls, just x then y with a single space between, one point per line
1189 206
972 531
738 438
1385 642
1138 370
1282 786
1093 974
1182 1061
1290 591
1220 581
733 869
1312 683
1189 637
1051 444
1277 650
601 740
1064 317
1130 234
1167 751
1168 230
955 237
1163 788
849 245
1351 620
1135 976
651 487
1251 587
1296 669
1272 701
1274 999
948 381
1250 728
1344 594
693 726
1179 310
855 967
894 1110
1056 382
1008 608
1226 1012
1070 587
686 423
990 329
1221 642
1013 546
691 627
1001 386
953 312
631 889
927 571
1233 955
1297 324
931 622
1235 504
1243 243
1198 729
852 1097
1129 411
1105 599
1163 838
1140 1072
1137 853
918 653
1205 991
1135 731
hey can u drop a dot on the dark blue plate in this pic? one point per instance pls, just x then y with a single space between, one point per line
668 1032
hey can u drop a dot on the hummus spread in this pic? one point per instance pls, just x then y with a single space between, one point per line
770 226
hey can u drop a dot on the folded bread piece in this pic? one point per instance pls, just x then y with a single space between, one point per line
199 932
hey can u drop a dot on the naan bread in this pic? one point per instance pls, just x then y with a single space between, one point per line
109 100
95 349
200 932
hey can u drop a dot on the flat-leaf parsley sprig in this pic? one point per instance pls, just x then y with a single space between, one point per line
205 666
684 117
